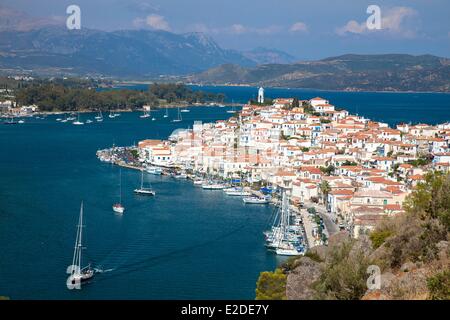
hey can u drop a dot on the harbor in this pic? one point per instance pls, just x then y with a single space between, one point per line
185 242
283 232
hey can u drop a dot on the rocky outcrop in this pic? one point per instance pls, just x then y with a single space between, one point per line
299 280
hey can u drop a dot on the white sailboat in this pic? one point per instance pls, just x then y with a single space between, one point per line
99 117
232 110
78 275
178 119
144 191
146 114
11 121
118 207
279 237
185 110
167 113
78 122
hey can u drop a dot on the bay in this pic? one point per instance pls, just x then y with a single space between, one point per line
185 243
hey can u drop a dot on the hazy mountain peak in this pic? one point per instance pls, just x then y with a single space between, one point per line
15 20
263 55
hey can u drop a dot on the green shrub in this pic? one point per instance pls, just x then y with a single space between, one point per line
379 237
344 276
439 286
313 256
271 285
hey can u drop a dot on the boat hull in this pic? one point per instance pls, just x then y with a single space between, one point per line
117 209
144 192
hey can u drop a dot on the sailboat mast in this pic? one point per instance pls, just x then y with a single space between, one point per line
80 238
142 179
76 248
120 186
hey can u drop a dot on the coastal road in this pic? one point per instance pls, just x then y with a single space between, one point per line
330 226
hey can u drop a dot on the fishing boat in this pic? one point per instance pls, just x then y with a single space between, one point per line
142 190
178 119
118 207
89 121
21 121
198 182
256 200
154 170
153 119
79 274
78 122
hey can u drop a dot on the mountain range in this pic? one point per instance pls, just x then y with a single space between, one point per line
386 72
195 57
127 53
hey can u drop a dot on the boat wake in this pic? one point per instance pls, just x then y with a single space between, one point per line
126 268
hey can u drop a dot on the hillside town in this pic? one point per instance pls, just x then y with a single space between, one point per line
353 170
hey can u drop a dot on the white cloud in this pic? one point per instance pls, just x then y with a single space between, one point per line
153 21
241 29
392 22
352 27
238 29
299 27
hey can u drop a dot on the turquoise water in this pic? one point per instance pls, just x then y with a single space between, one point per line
184 243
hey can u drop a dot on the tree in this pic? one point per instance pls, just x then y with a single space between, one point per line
431 198
328 170
325 190
295 103
349 163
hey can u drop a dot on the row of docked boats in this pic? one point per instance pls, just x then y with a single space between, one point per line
286 237
233 191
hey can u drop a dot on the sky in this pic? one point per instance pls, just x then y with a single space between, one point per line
306 29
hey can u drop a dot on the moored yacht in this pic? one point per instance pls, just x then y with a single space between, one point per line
118 207
237 191
154 170
142 190
213 186
256 200
78 122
